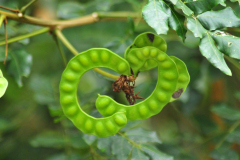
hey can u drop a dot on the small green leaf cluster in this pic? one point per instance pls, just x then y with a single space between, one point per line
132 142
204 23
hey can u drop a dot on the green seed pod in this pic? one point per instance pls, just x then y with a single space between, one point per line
77 66
183 78
147 39
166 85
150 39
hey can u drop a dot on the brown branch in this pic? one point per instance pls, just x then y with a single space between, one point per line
88 19
12 10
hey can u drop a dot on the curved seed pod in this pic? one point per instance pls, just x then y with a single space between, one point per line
183 78
77 66
3 84
147 39
166 85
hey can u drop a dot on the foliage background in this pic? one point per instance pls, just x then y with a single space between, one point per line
203 124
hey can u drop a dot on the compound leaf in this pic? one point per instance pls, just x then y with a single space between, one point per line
138 155
184 8
42 89
155 15
121 148
70 10
235 1
200 6
89 139
219 19
140 135
227 112
228 44
2 55
20 65
154 153
54 139
104 143
48 139
174 1
130 125
176 22
224 153
214 56
234 137
197 29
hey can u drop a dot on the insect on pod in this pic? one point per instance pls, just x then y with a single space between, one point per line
146 52
166 85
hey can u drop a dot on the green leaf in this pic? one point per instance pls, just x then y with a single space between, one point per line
234 137
70 10
20 65
154 153
213 20
138 155
48 139
214 56
54 139
121 148
89 139
130 29
43 89
176 22
224 153
104 143
184 8
227 112
130 125
235 1
66 156
75 140
237 95
2 54
6 125
197 29
200 6
24 41
228 44
3 84
174 1
140 135
155 15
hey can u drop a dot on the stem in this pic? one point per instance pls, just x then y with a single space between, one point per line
230 130
6 41
106 74
27 5
119 15
40 31
12 10
88 19
60 50
2 17
75 52
65 41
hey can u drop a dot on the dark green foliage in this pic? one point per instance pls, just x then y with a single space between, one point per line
201 20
